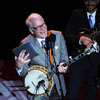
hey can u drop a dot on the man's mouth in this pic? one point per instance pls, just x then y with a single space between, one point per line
90 8
42 32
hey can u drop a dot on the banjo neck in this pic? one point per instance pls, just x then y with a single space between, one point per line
69 62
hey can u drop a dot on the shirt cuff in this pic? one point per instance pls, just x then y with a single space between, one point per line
19 70
80 43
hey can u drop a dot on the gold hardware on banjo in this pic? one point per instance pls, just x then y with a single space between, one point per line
36 81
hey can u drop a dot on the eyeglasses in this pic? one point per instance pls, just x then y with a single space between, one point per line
38 27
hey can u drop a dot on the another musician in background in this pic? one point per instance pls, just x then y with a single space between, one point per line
87 66
39 33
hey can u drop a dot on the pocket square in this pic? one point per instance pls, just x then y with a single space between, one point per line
56 47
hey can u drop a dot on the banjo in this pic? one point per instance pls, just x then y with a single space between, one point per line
39 80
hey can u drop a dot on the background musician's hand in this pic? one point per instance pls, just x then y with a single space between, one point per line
86 41
61 68
22 59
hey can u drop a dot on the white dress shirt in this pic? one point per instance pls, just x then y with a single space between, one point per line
93 16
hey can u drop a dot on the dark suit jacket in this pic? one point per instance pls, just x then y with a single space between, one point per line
77 21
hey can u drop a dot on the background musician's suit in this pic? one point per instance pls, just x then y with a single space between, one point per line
87 65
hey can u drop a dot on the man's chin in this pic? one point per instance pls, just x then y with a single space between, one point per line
91 9
43 36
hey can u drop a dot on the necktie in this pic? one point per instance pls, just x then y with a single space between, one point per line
90 21
43 45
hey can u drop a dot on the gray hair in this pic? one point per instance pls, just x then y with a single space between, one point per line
32 15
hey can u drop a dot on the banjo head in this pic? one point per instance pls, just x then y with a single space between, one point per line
36 81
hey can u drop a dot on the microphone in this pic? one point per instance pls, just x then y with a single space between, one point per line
47 43
52 39
40 83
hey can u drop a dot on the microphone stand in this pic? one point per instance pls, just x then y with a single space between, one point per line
54 66
51 45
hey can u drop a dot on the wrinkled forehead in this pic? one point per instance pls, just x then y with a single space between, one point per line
34 22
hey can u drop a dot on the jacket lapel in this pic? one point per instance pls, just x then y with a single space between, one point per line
97 18
37 46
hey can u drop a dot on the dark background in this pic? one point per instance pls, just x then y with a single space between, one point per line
13 15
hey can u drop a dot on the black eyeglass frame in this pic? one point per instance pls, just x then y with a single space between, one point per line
36 28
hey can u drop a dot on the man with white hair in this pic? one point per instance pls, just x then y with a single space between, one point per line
39 32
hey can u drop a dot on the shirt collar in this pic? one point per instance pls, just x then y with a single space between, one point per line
93 14
40 39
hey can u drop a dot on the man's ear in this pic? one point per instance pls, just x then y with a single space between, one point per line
31 31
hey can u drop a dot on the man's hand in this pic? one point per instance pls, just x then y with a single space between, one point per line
86 41
61 68
22 59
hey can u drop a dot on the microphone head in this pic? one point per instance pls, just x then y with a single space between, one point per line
50 41
52 38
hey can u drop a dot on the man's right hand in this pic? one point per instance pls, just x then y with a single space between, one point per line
86 41
22 59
